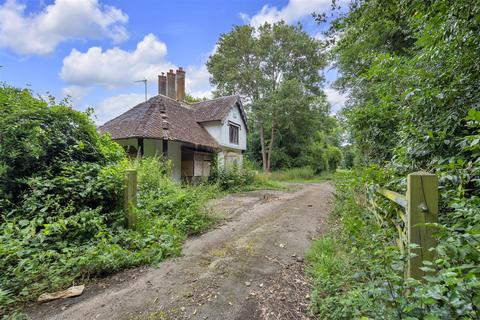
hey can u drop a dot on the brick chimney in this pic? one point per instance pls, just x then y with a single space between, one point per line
171 92
180 84
162 84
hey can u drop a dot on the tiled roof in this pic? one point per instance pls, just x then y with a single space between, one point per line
216 109
212 110
160 118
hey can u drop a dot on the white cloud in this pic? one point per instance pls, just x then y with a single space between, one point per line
116 105
41 32
293 11
336 99
197 81
116 67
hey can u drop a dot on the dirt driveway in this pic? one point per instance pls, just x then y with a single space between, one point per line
251 267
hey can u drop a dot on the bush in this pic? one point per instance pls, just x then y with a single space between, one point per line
41 254
320 154
233 178
53 159
61 187
160 196
371 282
347 264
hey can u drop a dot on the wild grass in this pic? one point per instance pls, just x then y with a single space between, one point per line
304 174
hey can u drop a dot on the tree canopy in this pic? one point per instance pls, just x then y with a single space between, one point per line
412 72
276 68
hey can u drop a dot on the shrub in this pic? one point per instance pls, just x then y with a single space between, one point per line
234 177
52 159
60 191
371 282
320 154
60 186
160 196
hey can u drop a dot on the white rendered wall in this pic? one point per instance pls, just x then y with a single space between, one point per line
220 131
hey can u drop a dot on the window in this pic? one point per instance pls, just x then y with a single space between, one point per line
234 128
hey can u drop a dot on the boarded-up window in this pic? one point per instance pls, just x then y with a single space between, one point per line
187 163
202 164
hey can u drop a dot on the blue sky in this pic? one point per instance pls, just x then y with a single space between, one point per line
93 50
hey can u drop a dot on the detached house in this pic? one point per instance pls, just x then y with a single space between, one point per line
190 135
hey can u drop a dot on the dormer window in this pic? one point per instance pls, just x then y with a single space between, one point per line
233 130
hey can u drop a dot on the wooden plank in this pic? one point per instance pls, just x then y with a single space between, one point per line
422 198
131 197
187 163
398 198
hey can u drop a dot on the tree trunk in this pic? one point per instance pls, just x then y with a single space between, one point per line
270 147
262 144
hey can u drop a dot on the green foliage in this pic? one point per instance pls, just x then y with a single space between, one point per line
254 61
371 282
160 196
191 99
233 178
245 177
61 188
358 268
275 69
52 159
44 254
293 174
412 71
320 154
348 157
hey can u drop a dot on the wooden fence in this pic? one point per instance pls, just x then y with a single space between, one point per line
130 198
421 208
420 205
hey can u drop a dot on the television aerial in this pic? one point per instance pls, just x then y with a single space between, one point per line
145 83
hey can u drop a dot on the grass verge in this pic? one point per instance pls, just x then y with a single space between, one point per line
296 175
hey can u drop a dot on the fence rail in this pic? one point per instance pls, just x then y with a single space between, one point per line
398 198
421 206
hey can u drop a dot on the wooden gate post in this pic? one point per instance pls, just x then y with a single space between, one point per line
422 207
131 197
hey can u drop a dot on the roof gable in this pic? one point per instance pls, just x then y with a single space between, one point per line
217 109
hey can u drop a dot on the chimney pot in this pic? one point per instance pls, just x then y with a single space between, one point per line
180 84
162 84
171 91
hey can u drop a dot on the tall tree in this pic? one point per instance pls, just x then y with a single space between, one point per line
254 62
412 70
